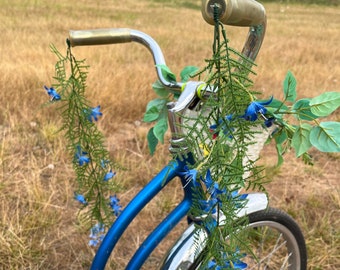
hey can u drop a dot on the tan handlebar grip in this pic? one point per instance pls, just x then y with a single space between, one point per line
99 36
234 12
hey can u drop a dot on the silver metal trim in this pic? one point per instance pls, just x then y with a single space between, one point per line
106 36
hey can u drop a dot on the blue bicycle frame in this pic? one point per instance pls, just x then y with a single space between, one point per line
167 174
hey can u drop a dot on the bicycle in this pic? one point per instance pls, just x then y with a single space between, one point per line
275 238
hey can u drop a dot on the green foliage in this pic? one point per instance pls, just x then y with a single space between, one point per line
152 141
303 110
289 87
326 137
300 140
188 72
156 110
166 72
325 104
91 160
309 131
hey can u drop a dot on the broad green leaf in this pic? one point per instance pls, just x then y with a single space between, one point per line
166 72
326 137
160 128
289 87
325 104
151 114
279 155
280 136
152 141
176 95
277 104
300 140
187 72
159 89
303 110
274 113
159 103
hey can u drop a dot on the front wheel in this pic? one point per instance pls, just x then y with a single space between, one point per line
275 240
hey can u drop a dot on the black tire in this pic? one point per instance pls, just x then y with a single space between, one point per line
288 249
276 241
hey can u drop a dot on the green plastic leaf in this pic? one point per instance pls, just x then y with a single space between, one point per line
159 89
152 141
289 87
166 72
326 137
151 114
176 95
187 72
300 140
280 136
160 128
303 110
159 103
325 104
277 104
279 155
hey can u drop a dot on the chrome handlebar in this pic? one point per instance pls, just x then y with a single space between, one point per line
232 12
123 35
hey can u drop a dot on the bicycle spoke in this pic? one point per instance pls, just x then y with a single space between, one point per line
269 257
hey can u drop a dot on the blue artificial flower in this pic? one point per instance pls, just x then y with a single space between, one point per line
238 199
116 207
208 180
237 264
212 186
256 107
109 175
96 229
212 264
80 198
215 191
236 195
94 114
52 93
189 175
96 234
225 130
103 163
81 156
269 122
208 206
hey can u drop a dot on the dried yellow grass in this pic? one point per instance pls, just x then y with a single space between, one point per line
39 225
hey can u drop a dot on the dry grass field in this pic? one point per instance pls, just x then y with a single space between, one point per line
39 224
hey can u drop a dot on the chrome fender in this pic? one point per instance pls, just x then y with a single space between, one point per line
192 241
